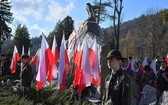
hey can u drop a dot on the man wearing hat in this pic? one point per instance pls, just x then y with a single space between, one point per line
116 84
26 74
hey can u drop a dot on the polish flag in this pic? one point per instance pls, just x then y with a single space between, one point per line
46 64
28 51
145 62
132 64
36 59
153 66
94 62
166 59
64 65
56 56
21 65
78 76
15 59
85 66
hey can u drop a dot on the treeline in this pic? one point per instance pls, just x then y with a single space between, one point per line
22 37
143 36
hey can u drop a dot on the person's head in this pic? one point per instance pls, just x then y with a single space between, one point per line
25 59
3 56
129 59
124 62
114 60
163 64
136 65
147 69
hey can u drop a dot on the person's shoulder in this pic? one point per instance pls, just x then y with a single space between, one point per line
128 78
108 78
29 66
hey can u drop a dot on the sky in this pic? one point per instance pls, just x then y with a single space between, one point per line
42 15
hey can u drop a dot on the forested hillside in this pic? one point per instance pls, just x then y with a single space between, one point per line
143 36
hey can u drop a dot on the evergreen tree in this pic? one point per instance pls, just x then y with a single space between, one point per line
5 18
66 26
164 14
21 38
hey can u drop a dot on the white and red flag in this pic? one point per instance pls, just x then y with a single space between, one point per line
56 56
28 51
94 62
85 66
132 64
64 65
78 75
166 59
145 62
153 66
21 64
36 59
15 59
46 64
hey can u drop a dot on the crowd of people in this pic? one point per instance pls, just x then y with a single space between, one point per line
117 89
118 85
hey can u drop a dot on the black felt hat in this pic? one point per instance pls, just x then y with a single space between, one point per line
25 56
114 54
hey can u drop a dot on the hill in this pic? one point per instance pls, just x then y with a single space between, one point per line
143 36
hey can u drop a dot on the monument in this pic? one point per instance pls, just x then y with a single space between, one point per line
90 29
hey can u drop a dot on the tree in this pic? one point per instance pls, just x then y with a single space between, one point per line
66 26
5 17
117 20
128 45
154 32
101 10
164 14
21 38
109 39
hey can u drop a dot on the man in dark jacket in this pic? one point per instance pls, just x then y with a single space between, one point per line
5 64
125 68
26 74
162 79
117 86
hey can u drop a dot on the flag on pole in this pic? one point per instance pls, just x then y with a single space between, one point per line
166 59
46 64
15 59
23 52
36 59
145 62
132 64
64 65
56 56
85 64
21 64
94 62
28 51
78 77
153 66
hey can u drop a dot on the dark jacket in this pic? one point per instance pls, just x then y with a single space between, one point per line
149 78
117 89
162 83
128 72
138 76
26 75
5 67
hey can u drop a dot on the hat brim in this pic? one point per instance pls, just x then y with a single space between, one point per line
117 57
